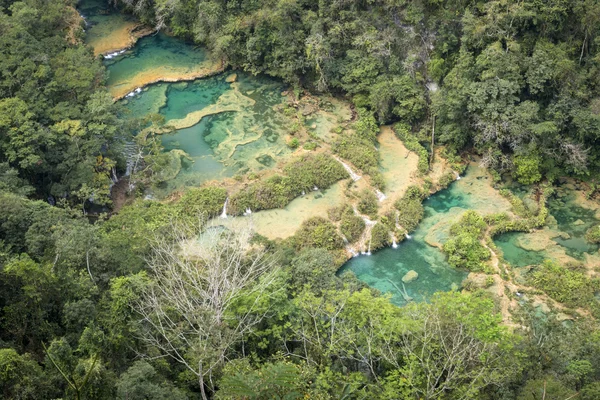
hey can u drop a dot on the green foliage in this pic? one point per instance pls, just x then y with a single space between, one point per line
313 267
566 285
293 143
464 248
58 125
351 226
380 236
359 150
21 377
317 232
410 209
527 169
302 175
547 388
367 202
593 234
207 201
272 380
403 133
141 382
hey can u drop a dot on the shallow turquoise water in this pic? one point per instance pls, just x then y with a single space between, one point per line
384 269
575 221
224 144
186 97
514 254
152 52
570 219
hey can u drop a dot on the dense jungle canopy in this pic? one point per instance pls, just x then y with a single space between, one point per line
106 292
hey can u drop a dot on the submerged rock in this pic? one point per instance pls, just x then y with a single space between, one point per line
231 78
410 276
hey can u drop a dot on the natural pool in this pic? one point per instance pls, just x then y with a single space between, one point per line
385 268
155 58
563 240
234 127
107 29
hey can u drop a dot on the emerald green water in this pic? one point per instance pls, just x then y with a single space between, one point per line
516 255
221 145
572 222
152 58
384 269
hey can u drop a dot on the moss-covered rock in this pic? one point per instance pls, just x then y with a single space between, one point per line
593 234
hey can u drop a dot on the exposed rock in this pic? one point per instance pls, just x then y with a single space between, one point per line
563 317
578 223
410 276
537 241
231 78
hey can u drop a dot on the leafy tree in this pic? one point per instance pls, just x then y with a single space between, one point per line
141 382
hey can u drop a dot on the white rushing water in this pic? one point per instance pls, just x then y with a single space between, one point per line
224 212
352 174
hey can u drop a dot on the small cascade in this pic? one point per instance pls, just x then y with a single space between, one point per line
352 251
394 244
457 175
134 92
352 174
131 157
315 188
113 175
369 250
247 212
115 54
380 195
303 193
224 213
406 235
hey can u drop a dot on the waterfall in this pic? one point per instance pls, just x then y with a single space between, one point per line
113 175
247 212
224 213
406 235
131 157
380 195
369 251
113 55
394 244
457 175
352 174
315 188
351 251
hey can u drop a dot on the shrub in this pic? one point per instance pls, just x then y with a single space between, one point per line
464 249
207 200
352 226
317 232
367 202
593 234
358 150
380 236
565 285
310 146
293 143
412 143
303 174
410 213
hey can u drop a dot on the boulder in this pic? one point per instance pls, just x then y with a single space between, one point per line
410 276
578 223
231 78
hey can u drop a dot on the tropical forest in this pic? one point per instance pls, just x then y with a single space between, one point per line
300 199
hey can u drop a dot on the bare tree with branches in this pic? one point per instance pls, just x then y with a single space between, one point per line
200 274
